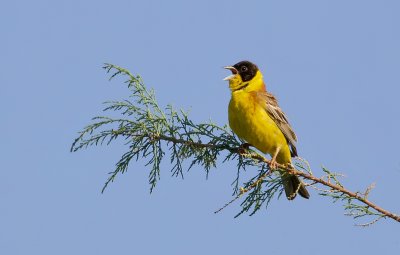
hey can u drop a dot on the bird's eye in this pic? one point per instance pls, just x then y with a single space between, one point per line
243 68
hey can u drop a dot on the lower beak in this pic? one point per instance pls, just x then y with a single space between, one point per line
234 73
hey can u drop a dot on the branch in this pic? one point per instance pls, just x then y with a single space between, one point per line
256 156
334 188
151 131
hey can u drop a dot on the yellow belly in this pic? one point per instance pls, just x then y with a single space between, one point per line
250 121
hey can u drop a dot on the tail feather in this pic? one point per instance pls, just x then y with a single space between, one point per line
294 185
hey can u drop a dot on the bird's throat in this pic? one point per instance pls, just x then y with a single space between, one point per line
241 86
255 84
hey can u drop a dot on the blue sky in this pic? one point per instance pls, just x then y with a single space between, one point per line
334 65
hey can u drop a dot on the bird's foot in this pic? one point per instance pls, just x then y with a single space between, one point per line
273 165
243 148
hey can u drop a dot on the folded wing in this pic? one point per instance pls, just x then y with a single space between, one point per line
276 113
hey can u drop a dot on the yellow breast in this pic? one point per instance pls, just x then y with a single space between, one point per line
250 121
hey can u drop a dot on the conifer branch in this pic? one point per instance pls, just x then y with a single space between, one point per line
151 131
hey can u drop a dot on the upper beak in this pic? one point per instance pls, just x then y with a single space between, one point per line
233 70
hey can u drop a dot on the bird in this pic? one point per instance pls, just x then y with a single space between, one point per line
255 116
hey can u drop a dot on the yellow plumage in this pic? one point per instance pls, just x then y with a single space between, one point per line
250 121
254 115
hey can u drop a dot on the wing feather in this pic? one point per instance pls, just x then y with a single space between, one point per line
279 117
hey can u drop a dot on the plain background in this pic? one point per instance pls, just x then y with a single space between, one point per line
334 65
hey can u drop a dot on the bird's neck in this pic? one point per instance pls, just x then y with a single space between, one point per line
256 84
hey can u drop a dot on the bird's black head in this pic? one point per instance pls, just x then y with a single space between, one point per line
246 70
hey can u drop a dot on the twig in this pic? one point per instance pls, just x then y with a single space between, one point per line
149 126
261 158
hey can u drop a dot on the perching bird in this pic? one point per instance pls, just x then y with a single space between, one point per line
255 116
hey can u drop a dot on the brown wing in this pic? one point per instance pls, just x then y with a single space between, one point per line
275 112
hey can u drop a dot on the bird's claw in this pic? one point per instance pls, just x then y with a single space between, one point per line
243 148
273 165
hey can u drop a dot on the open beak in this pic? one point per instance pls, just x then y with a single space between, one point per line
234 73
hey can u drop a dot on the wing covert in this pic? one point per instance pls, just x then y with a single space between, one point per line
279 117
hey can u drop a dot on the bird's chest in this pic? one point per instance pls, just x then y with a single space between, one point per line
249 120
